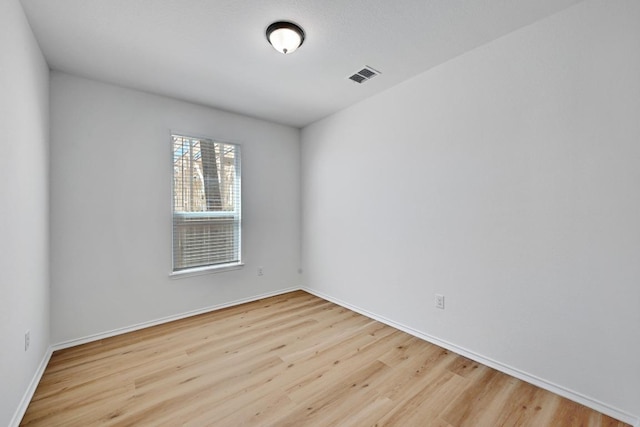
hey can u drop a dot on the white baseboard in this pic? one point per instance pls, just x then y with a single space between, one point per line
124 330
554 388
28 395
532 379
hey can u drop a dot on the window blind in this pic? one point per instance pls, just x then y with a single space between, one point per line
206 203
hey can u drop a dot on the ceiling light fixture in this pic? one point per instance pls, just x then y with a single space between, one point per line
285 37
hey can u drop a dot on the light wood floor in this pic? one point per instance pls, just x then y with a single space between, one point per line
290 360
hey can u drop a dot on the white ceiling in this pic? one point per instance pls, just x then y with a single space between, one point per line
214 52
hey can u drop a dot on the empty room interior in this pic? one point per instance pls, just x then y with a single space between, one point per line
299 212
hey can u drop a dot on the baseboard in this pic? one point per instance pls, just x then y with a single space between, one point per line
554 388
28 394
124 330
524 376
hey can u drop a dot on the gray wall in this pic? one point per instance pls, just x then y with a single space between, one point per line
508 180
24 206
111 208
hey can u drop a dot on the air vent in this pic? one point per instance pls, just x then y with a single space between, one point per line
358 78
363 75
367 73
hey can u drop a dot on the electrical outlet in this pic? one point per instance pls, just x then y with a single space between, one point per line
27 340
260 271
440 301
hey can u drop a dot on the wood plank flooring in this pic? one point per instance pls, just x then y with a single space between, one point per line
290 360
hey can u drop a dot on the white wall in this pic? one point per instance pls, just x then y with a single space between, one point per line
111 207
24 206
508 180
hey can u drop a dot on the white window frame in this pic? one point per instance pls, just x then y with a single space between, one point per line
237 213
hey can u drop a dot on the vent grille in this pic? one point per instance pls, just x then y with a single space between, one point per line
367 73
364 74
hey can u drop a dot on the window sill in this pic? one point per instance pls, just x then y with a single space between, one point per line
205 270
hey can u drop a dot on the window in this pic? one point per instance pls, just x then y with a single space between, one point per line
206 204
